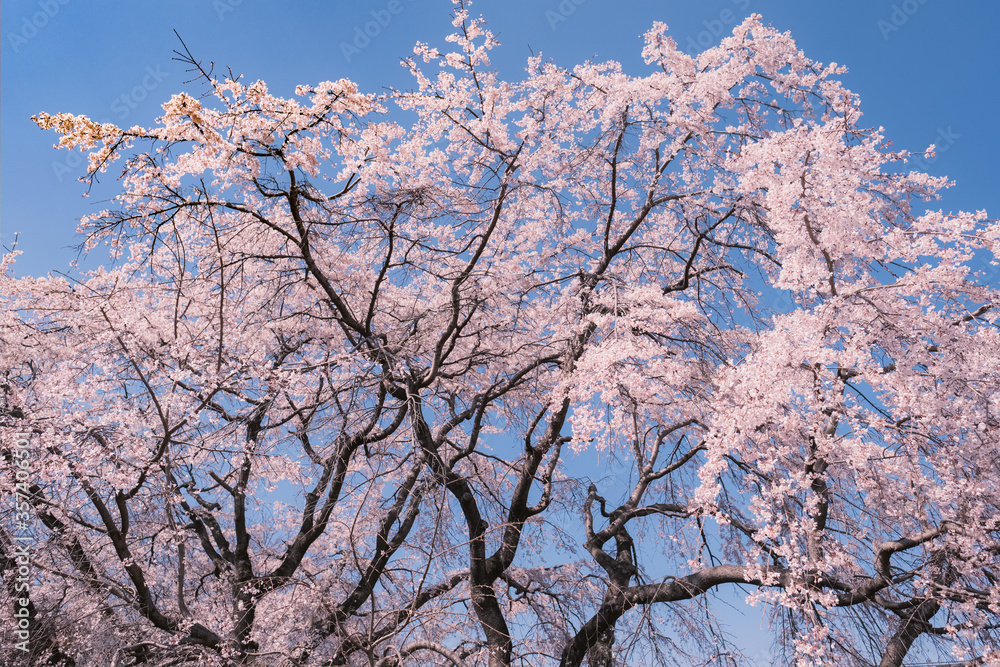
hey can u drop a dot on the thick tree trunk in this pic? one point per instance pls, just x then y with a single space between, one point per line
910 627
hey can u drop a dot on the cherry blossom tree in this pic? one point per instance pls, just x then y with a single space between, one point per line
527 380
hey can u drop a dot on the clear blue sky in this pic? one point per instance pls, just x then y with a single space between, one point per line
927 70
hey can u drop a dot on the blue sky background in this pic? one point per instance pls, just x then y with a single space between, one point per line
926 70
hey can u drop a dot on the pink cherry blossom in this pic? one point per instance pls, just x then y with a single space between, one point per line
510 381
